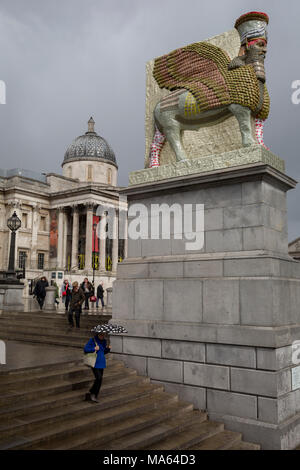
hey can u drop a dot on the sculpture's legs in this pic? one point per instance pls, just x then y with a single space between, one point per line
259 129
156 146
173 135
243 116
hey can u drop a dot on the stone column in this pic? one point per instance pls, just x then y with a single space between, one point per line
60 238
35 228
65 238
89 236
115 245
75 236
102 242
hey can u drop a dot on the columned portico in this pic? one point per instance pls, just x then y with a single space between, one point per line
89 236
115 244
60 241
75 233
102 242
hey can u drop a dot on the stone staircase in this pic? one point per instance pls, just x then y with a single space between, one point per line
44 408
48 328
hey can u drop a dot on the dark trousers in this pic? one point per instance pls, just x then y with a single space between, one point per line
98 373
67 301
77 317
102 301
86 304
41 301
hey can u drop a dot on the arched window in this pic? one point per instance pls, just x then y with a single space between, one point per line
90 172
70 172
109 176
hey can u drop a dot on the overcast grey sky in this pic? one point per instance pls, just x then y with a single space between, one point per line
65 60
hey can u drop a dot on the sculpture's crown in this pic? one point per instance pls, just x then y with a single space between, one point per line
252 25
252 16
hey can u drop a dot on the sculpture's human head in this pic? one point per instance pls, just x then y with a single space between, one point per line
252 27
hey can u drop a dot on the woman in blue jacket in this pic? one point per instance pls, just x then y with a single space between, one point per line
98 344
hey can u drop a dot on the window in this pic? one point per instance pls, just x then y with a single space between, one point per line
24 220
89 172
109 176
70 172
43 221
22 259
41 260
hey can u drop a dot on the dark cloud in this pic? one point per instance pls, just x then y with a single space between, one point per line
65 60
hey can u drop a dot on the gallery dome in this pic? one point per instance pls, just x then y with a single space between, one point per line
90 146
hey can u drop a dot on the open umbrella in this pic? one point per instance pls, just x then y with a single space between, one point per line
109 329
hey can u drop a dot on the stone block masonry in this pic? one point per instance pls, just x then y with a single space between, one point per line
217 325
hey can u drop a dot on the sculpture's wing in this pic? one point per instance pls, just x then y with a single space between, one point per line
202 69
199 68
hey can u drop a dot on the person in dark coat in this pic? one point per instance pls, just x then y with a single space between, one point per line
88 290
66 294
40 291
77 299
98 344
100 295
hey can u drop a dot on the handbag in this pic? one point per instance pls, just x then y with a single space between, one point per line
93 299
89 359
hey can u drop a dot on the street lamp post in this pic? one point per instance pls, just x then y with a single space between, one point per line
13 223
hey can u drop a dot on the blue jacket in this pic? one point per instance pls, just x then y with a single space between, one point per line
90 348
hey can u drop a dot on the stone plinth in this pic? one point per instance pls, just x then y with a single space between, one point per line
50 298
217 325
11 296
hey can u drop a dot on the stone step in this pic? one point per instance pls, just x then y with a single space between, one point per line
244 446
49 328
193 435
222 441
63 332
64 386
43 379
88 320
42 339
90 424
40 370
155 436
33 421
117 388
101 436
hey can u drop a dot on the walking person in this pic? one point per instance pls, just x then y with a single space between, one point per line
77 299
98 345
66 294
100 295
40 291
87 288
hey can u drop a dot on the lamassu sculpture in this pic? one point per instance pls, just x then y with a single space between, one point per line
207 88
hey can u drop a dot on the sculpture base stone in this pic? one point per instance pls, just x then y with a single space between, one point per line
11 296
217 325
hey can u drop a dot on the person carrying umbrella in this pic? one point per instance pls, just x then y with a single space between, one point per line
97 348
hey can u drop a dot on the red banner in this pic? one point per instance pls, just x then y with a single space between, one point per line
95 246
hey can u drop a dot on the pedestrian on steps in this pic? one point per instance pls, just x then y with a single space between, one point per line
100 294
66 294
77 299
88 290
97 344
40 291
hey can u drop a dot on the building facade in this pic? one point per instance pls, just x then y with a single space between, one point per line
64 217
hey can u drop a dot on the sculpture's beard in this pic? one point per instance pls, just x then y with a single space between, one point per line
256 58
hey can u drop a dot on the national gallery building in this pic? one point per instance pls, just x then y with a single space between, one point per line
59 235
